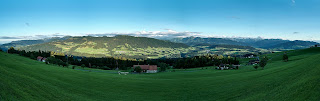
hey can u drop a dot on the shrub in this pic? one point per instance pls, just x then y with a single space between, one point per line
138 69
65 64
163 66
255 67
94 66
60 62
83 65
32 56
73 66
105 68
263 62
285 57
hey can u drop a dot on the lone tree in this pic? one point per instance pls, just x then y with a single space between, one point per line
83 65
138 69
32 56
11 50
285 57
255 67
263 62
163 66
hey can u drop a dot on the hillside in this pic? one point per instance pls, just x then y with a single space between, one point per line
25 79
293 45
118 46
22 43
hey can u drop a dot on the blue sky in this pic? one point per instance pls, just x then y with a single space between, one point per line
287 19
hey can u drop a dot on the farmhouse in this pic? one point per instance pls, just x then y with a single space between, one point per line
77 58
147 68
227 66
222 67
252 62
43 59
249 55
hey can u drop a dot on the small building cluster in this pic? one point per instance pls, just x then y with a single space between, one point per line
147 68
253 62
77 58
42 59
249 56
227 67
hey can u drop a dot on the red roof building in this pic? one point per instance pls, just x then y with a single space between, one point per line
147 68
43 59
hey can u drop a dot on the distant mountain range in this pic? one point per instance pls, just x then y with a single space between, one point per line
253 42
22 43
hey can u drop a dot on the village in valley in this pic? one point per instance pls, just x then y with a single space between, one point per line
219 62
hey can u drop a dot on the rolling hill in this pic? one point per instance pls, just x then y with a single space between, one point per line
298 79
118 46
293 45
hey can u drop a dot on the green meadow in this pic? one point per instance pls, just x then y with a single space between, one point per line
298 79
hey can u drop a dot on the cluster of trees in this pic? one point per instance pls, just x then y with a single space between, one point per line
263 63
193 62
52 60
138 69
102 63
285 57
30 54
202 61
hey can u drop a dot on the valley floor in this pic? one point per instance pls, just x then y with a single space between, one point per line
298 79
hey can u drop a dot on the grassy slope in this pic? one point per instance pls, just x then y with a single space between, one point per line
298 79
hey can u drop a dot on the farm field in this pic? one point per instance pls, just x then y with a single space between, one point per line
298 79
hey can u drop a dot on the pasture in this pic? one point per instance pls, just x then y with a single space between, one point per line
298 79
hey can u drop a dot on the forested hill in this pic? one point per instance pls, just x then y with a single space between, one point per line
124 46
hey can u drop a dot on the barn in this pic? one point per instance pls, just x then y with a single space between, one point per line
43 59
147 68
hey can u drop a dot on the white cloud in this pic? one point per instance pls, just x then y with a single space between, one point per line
7 39
168 34
293 2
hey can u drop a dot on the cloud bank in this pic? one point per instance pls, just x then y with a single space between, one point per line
169 34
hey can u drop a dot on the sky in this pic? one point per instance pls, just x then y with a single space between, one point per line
285 19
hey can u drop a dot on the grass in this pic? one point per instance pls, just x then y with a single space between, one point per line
298 79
